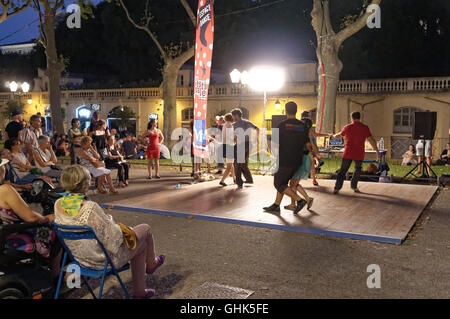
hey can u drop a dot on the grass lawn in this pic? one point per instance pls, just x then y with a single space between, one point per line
330 166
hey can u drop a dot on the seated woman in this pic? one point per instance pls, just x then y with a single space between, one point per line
45 158
75 210
63 148
13 210
444 159
90 159
16 170
115 160
409 158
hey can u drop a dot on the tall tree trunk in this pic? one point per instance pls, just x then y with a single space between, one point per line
328 72
170 74
169 84
330 67
55 66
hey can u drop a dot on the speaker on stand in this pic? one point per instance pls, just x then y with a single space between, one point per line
424 129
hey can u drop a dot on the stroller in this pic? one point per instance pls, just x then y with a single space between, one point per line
23 272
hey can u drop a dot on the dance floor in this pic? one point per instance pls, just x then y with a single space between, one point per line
382 212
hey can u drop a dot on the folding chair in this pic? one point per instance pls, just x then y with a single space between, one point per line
79 233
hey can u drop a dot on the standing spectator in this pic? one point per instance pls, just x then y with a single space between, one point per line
129 147
115 160
29 136
155 137
243 143
227 148
409 158
293 138
45 158
14 127
99 136
74 135
220 121
355 135
93 123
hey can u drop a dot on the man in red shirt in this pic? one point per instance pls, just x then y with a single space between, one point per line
355 135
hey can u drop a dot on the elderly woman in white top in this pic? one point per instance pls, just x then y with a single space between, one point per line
45 158
75 210
90 159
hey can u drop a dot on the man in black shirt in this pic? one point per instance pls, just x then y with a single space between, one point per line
293 136
15 126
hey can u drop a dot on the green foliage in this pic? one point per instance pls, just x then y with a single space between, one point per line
9 107
123 114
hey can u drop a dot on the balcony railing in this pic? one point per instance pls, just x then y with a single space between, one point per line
383 86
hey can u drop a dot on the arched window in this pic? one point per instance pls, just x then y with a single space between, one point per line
404 119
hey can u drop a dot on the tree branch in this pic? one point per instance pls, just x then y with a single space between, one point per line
5 8
326 15
146 29
191 14
346 33
184 57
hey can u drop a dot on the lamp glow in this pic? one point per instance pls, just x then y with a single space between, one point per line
25 87
13 86
29 101
278 105
235 76
266 78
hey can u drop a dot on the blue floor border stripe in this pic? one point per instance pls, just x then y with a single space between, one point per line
315 231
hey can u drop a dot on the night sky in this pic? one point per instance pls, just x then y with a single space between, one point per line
20 23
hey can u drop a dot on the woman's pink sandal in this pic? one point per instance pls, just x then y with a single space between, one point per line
148 294
161 259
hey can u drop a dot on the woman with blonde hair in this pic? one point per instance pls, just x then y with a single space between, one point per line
90 159
74 209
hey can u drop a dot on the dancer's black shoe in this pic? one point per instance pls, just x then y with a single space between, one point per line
274 208
223 184
300 204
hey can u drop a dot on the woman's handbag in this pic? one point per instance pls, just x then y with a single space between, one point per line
98 164
129 236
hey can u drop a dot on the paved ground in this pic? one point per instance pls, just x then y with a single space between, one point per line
280 264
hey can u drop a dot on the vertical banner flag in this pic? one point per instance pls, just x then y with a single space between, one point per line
203 56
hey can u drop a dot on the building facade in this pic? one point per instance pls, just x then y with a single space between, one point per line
387 105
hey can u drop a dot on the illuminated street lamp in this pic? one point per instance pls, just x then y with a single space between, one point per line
266 79
278 104
239 79
14 86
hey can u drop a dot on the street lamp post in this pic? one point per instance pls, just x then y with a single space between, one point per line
14 86
266 79
240 79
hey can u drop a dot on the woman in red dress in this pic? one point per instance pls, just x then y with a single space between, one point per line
155 138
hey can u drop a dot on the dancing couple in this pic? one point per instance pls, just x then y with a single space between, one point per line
295 157
233 145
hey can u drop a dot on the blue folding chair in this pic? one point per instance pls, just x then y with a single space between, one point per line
79 233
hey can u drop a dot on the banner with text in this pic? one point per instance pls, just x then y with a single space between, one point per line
203 58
